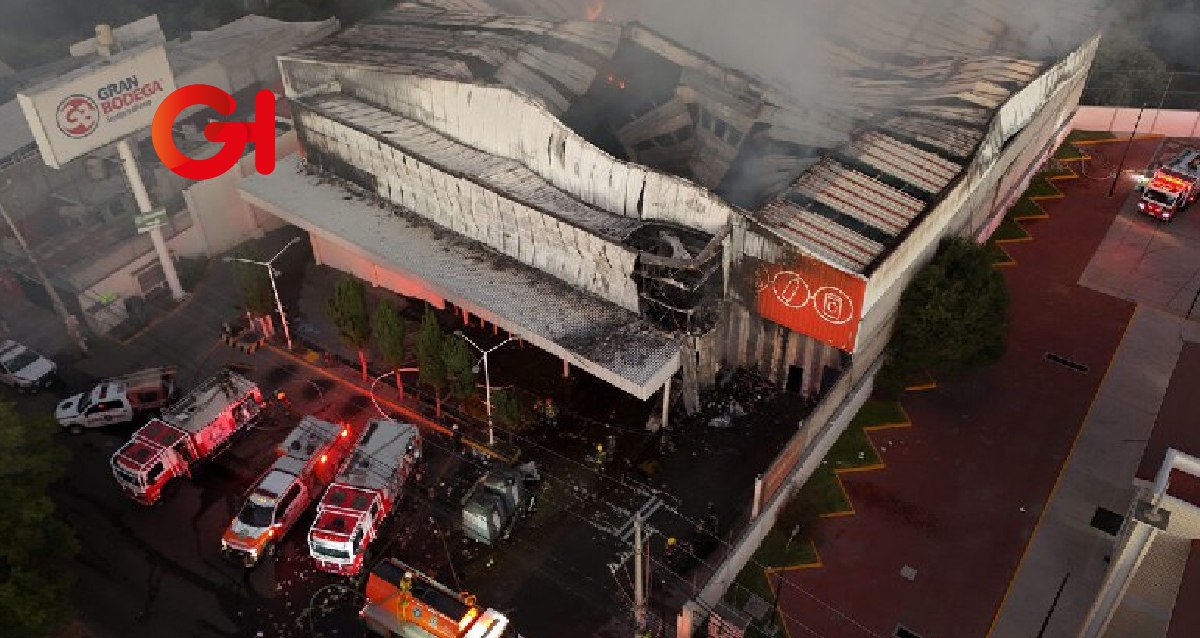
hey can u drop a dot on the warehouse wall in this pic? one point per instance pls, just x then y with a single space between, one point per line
1045 103
500 122
528 235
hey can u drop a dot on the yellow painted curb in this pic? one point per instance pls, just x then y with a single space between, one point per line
1147 136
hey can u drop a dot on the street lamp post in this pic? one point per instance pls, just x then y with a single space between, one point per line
487 380
269 265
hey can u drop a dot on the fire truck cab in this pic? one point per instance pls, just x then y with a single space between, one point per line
402 601
308 459
1174 186
362 495
194 429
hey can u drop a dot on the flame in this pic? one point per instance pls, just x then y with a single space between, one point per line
621 84
594 9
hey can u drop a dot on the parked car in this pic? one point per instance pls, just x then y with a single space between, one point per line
25 369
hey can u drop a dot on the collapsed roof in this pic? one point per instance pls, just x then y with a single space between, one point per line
841 177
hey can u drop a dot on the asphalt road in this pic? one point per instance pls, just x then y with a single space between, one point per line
157 571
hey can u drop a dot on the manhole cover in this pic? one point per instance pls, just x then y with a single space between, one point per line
1065 362
1107 521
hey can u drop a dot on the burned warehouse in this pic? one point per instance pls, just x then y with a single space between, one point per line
645 214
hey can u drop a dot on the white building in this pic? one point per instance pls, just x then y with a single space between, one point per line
526 169
79 219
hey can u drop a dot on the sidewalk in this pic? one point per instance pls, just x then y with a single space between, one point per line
1099 473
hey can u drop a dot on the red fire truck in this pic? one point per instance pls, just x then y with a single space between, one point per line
1174 186
362 495
402 601
196 428
308 460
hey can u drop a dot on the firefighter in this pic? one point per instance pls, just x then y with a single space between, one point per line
551 413
456 434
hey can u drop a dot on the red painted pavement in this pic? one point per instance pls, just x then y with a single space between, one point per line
983 445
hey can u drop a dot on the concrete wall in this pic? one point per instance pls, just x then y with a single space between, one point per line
122 282
1169 122
473 210
222 219
362 266
796 464
502 123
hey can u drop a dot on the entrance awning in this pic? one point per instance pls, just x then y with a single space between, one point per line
595 335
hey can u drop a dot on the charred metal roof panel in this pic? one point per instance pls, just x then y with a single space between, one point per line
852 193
554 61
927 171
600 337
500 174
819 235
959 141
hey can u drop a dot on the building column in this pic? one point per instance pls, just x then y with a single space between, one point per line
566 368
1122 567
316 249
666 411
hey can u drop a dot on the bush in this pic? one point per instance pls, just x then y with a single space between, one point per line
191 271
954 314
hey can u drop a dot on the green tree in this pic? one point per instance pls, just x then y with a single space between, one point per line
348 311
390 337
253 284
37 549
508 410
460 368
954 313
1126 72
431 346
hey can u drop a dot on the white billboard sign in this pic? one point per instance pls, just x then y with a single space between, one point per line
97 104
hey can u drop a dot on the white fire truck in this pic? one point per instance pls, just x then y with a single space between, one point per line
362 495
194 429
308 460
402 601
1174 186
118 400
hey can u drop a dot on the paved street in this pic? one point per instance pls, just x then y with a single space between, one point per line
157 571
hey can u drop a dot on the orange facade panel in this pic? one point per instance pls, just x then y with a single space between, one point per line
813 298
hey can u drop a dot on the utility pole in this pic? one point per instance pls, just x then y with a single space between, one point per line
1121 165
639 579
71 323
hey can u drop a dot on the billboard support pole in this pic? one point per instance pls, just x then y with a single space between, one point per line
129 163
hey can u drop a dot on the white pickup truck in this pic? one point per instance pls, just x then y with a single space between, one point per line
118 400
24 369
